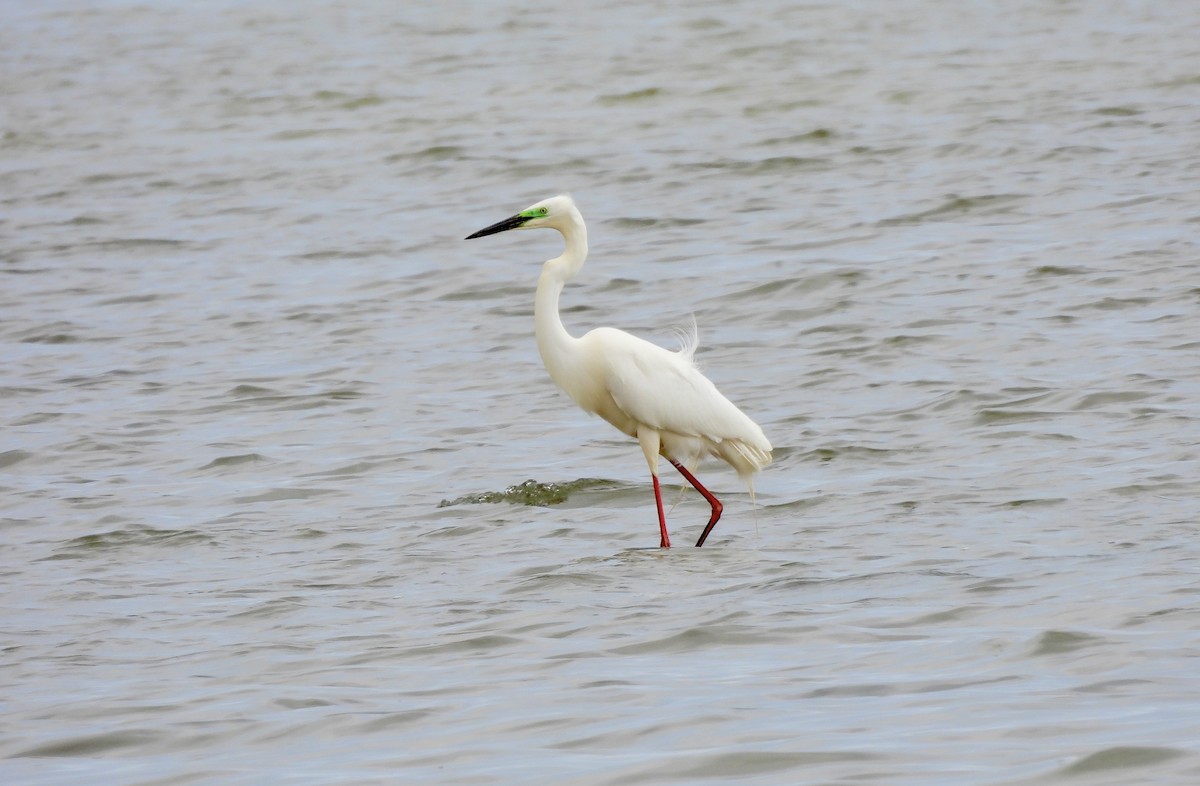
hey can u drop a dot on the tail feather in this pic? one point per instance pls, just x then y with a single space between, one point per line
744 457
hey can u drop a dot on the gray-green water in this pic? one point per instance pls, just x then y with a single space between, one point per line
945 253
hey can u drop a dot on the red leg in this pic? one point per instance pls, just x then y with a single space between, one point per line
662 519
717 507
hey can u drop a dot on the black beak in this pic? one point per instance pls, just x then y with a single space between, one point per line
502 226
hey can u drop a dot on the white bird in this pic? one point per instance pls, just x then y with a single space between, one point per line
647 392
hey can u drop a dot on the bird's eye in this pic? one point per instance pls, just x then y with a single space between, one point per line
542 211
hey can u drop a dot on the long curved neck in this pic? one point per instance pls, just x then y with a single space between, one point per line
553 341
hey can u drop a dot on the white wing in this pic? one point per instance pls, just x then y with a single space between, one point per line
665 391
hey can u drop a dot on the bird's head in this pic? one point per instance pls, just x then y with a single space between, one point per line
555 212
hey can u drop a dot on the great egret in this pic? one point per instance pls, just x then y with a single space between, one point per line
647 392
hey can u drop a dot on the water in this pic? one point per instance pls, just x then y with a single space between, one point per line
945 253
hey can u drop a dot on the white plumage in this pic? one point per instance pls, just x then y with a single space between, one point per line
652 394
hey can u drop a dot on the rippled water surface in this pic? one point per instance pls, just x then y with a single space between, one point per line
262 404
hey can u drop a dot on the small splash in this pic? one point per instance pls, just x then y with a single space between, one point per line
529 493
